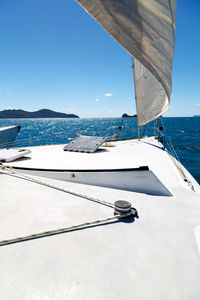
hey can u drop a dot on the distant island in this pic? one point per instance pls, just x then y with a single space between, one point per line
42 113
127 116
196 116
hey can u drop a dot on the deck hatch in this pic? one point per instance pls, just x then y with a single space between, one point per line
85 144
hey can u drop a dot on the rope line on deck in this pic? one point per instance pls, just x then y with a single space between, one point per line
117 215
7 169
59 230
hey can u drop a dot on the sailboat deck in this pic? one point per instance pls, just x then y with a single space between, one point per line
149 256
120 155
123 154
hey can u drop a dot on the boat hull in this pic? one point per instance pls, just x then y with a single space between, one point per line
8 135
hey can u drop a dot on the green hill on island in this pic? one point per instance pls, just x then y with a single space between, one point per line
42 113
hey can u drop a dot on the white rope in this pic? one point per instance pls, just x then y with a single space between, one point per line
57 231
9 170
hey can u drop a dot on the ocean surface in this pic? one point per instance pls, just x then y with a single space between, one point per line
184 133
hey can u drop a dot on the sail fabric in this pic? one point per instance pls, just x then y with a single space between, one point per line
151 98
146 29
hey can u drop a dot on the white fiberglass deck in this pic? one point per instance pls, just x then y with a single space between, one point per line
154 257
122 155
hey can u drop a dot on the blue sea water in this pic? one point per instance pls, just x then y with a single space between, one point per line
184 133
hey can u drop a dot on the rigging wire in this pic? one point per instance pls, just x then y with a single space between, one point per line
62 134
175 155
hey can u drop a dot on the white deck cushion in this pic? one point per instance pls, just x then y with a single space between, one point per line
11 154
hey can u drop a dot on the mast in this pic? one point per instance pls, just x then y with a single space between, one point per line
138 127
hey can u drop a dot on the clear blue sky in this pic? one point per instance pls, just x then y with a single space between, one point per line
53 55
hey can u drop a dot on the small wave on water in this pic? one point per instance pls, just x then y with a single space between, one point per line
184 134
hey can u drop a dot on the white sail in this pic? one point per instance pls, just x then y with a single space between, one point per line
150 96
146 29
